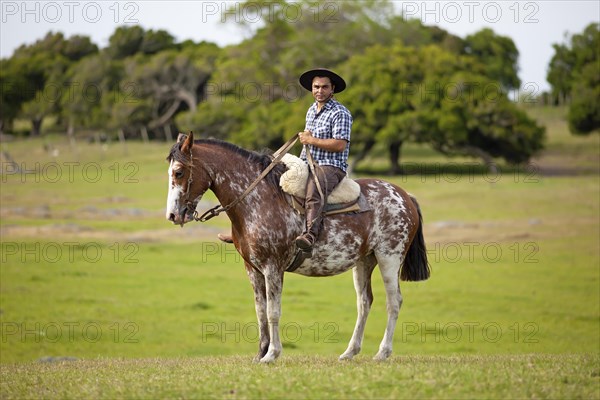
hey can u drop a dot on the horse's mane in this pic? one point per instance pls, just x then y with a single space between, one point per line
262 159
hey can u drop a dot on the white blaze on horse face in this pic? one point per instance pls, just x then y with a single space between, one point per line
175 191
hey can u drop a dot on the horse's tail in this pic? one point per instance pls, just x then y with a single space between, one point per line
416 266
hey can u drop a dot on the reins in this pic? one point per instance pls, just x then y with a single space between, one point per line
277 156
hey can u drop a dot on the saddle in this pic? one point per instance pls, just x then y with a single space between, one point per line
345 198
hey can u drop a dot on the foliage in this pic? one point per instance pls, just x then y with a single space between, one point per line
145 83
431 95
35 74
498 53
92 81
574 76
584 110
158 86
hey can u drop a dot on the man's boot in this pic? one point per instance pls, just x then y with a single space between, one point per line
306 241
224 237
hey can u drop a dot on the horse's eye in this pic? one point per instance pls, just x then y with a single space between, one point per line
179 174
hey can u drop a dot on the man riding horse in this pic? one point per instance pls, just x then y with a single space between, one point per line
327 136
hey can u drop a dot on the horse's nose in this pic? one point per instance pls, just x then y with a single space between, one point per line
172 217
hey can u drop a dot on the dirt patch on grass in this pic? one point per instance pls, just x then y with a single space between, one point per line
505 231
72 231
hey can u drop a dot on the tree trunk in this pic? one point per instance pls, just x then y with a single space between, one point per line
145 135
36 127
395 148
121 134
168 133
363 153
14 167
487 159
165 118
71 135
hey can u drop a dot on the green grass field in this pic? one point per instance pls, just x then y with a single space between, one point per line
92 271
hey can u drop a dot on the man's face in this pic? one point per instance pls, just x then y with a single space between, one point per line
322 89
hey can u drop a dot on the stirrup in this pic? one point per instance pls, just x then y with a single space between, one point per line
305 242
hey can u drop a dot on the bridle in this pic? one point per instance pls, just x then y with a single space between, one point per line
188 203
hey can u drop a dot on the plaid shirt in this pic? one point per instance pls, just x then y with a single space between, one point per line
334 121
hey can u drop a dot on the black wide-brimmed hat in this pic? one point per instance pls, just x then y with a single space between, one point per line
307 78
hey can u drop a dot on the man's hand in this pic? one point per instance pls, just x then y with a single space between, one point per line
333 145
305 137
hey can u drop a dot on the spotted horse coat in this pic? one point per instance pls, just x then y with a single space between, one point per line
264 227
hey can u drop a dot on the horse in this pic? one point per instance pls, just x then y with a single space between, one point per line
264 226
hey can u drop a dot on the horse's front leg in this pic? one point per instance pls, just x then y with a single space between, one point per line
274 285
257 279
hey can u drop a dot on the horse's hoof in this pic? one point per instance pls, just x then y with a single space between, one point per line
382 355
266 360
349 354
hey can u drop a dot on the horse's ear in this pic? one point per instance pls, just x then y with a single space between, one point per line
181 137
187 143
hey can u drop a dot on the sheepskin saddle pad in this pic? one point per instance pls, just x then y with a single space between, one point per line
293 181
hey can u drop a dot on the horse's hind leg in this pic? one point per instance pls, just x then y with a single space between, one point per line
390 268
260 303
364 298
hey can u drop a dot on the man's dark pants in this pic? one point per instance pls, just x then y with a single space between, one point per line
329 176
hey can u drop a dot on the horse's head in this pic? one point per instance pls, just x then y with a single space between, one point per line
187 181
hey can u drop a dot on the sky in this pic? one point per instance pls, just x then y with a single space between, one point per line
533 25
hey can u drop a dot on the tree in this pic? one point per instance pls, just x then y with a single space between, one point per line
382 100
37 71
430 95
477 119
574 77
125 41
259 76
91 81
155 88
43 104
584 111
156 41
13 93
559 73
77 47
498 53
